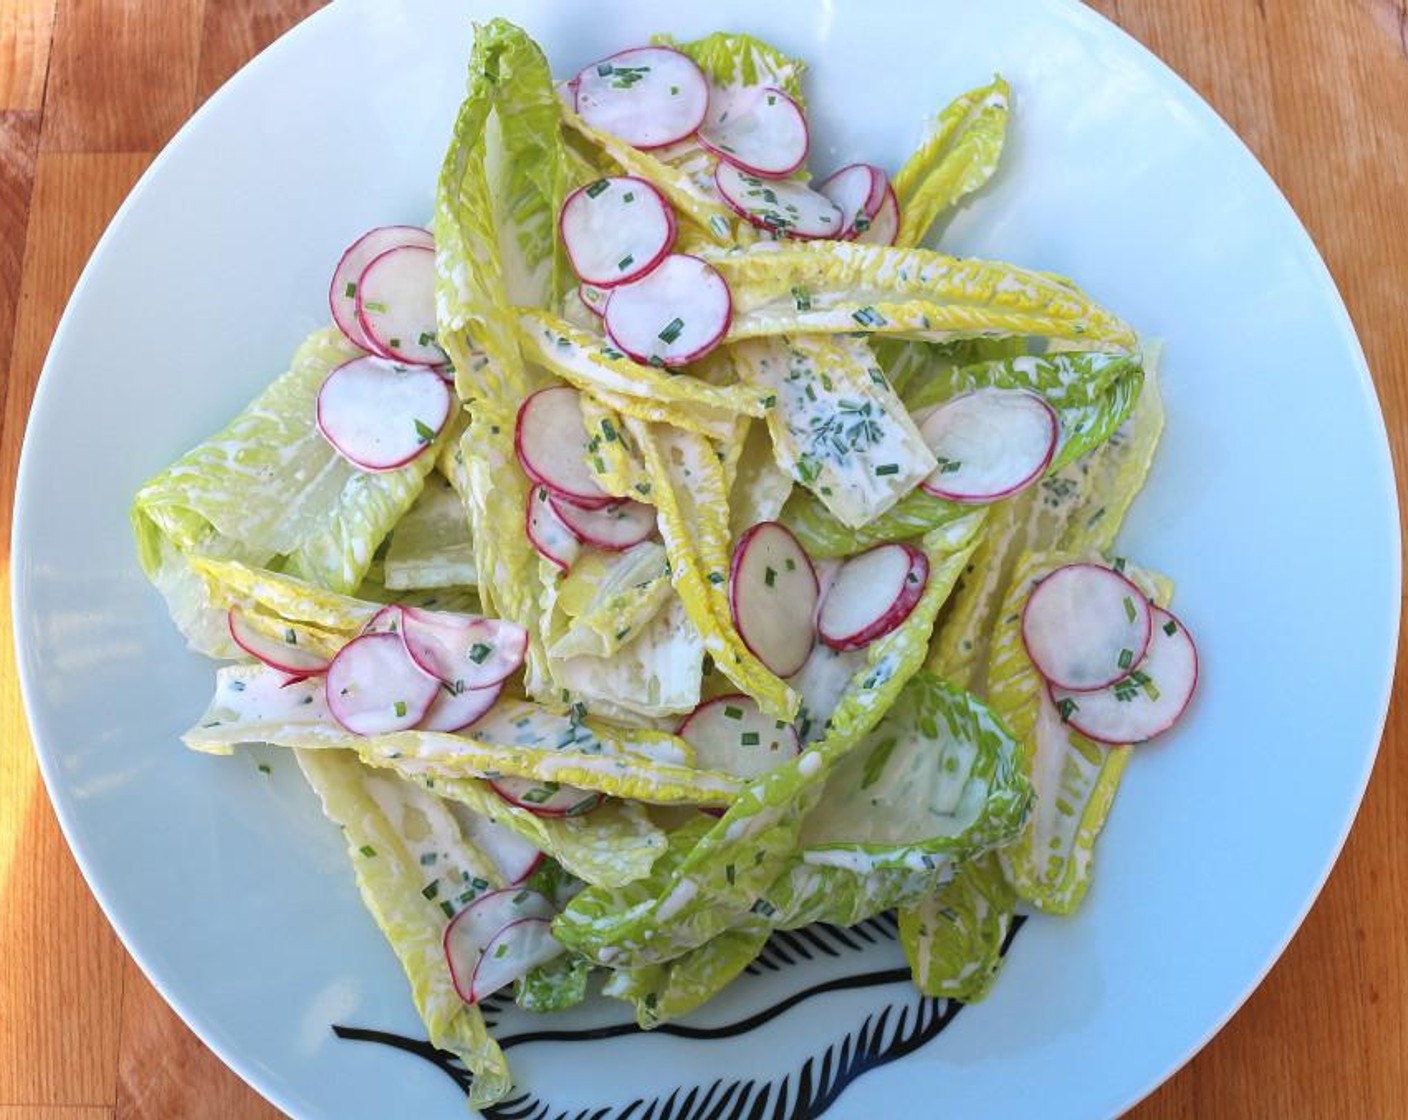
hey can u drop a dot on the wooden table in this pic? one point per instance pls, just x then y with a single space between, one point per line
91 89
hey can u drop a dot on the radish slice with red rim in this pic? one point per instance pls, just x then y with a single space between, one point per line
484 923
548 533
546 799
463 651
511 954
1085 626
512 856
732 735
858 190
675 314
615 527
342 292
615 230
647 96
772 595
380 416
593 298
884 225
396 305
781 206
456 707
374 688
1147 701
871 595
760 129
550 438
989 444
286 656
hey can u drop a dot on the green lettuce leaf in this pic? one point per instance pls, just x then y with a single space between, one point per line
732 59
837 427
394 888
431 546
958 156
270 491
555 986
760 487
609 597
831 287
953 938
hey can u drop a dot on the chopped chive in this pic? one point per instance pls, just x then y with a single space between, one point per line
868 317
447 908
629 196
379 308
479 651
1126 658
425 432
887 468
625 262
769 576
716 578
731 712
426 338
1130 612
431 889
803 300
749 739
351 290
428 859
400 706
1170 628
395 343
769 401
368 851
674 91
729 873
1067 708
672 330
264 768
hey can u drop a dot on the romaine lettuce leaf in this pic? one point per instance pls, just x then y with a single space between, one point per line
688 488
958 156
269 490
393 885
555 986
953 938
760 487
431 546
837 427
730 59
830 287
609 598
615 460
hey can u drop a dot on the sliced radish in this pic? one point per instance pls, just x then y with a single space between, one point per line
858 190
456 707
593 298
396 305
548 533
1085 626
286 656
380 416
779 206
461 650
773 593
342 293
732 735
616 230
1146 702
676 314
649 96
550 438
884 226
989 443
513 952
513 856
546 799
760 129
872 594
385 621
374 688
615 527
484 923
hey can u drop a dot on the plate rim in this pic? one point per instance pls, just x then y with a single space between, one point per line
207 1030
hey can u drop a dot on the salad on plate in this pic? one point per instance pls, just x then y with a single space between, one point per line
666 547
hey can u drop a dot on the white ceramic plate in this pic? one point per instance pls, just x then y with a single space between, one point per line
1272 502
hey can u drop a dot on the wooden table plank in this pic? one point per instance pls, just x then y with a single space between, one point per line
26 27
1317 88
123 74
19 141
62 966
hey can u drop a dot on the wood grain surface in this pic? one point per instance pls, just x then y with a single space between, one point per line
90 90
